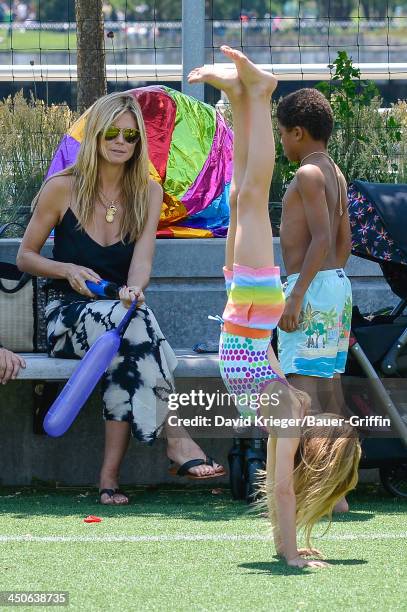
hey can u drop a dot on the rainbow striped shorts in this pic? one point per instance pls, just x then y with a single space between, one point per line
255 305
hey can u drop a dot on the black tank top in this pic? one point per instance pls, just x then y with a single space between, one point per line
73 245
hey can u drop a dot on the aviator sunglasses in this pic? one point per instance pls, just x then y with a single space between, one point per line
130 135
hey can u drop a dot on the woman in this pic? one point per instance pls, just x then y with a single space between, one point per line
10 365
105 212
308 469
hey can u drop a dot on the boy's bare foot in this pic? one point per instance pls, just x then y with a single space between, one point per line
225 79
257 82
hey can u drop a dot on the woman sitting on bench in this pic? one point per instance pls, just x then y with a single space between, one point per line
105 212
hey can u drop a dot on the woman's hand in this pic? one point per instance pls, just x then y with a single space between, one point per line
128 295
300 562
10 363
77 275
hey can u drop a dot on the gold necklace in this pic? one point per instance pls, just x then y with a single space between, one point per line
111 209
336 174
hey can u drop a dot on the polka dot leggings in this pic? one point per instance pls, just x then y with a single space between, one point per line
245 368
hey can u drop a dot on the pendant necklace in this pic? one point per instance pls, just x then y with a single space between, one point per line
111 209
336 174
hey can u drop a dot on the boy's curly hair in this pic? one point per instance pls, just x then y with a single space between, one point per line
309 109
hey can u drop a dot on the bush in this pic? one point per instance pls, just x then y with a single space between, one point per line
31 132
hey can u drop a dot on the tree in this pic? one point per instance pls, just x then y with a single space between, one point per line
91 52
56 10
335 9
378 9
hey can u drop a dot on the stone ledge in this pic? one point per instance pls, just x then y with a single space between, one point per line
195 258
190 365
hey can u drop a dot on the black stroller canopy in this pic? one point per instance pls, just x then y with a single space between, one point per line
391 204
378 219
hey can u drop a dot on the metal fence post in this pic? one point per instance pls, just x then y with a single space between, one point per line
193 44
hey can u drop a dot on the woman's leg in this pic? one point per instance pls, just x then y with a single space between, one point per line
117 436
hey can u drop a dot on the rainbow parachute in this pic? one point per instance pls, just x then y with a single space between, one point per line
190 151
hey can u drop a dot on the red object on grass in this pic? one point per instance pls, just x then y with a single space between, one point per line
92 519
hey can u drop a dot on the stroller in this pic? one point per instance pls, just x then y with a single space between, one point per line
377 347
378 343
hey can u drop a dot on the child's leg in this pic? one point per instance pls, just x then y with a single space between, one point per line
254 243
228 81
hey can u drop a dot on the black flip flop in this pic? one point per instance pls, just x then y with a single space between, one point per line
111 493
183 470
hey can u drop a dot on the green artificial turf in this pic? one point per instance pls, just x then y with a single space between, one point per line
366 547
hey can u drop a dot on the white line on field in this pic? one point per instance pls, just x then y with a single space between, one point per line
187 538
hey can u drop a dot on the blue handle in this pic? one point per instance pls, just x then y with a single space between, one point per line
103 289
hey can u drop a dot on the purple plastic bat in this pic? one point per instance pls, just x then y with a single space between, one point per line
95 362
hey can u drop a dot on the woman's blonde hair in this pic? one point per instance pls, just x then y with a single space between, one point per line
326 469
85 171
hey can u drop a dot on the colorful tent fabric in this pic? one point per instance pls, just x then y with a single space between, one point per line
190 151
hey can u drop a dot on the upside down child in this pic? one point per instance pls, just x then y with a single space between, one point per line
307 473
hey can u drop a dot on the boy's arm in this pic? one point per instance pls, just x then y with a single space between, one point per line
343 240
311 187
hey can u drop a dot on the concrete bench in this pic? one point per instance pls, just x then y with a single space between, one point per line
42 367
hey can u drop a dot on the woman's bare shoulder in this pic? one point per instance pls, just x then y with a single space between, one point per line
155 188
56 194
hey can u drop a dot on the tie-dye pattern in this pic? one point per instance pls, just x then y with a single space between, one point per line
136 386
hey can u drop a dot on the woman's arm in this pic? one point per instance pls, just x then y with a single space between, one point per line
45 217
51 206
142 260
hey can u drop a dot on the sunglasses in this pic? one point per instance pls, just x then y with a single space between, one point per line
130 135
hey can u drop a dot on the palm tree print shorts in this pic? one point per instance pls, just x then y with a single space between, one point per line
319 347
136 386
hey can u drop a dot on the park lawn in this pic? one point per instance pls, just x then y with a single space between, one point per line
34 40
190 549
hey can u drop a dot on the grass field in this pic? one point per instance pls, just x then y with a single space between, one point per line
36 40
188 549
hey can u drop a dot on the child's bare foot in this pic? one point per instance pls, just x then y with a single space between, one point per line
225 79
341 506
258 82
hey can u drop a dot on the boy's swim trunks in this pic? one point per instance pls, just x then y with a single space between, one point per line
319 347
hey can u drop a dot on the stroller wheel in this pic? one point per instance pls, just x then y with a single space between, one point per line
236 473
394 479
252 468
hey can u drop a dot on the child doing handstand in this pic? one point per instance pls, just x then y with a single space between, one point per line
307 473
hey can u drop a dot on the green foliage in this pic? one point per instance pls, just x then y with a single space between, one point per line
56 10
31 131
366 142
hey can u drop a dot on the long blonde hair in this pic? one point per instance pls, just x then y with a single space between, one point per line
326 469
85 171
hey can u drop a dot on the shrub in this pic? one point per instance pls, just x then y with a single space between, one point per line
30 132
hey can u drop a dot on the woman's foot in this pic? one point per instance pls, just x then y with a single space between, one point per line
181 450
225 79
256 81
110 484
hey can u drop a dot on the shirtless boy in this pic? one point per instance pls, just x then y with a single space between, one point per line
316 243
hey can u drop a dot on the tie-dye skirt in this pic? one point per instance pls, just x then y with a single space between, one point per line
136 386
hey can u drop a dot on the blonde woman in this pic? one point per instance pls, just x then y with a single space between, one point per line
105 212
308 470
